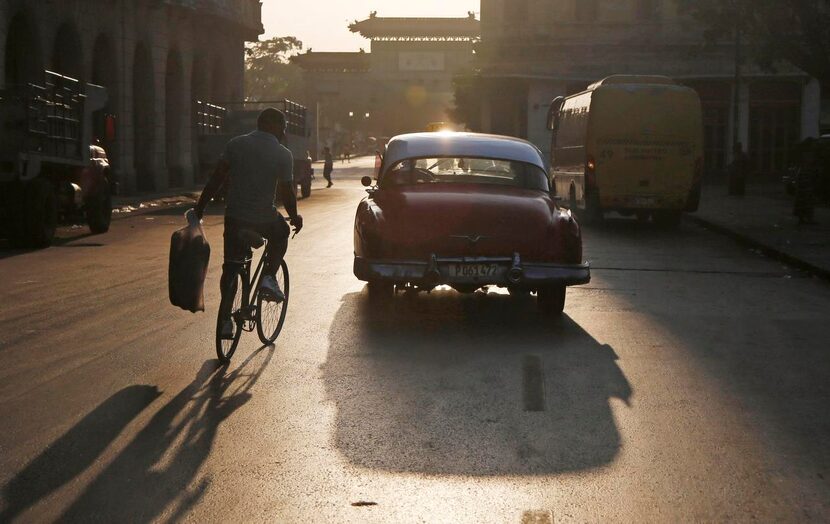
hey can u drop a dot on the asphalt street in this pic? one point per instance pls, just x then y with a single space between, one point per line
687 382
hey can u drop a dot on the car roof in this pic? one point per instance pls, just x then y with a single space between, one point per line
463 145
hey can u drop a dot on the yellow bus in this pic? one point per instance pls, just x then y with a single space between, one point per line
631 144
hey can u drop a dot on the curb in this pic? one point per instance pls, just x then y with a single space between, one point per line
766 250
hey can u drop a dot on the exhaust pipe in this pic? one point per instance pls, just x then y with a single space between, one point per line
516 274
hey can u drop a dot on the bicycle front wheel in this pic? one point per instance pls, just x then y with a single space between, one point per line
225 347
270 316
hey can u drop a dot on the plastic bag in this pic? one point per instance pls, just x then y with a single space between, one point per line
189 257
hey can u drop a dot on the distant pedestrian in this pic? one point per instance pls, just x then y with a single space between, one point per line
328 165
805 183
738 171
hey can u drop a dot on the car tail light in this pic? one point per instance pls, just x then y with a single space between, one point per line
590 172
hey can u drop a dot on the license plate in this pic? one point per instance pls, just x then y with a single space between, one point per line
474 270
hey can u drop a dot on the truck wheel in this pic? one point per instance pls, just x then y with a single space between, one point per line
98 211
41 213
667 219
551 300
306 189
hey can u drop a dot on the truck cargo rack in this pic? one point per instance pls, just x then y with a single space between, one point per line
49 117
295 114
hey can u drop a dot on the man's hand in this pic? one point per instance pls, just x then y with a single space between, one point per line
297 222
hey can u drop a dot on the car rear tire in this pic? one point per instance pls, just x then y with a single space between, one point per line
551 300
380 291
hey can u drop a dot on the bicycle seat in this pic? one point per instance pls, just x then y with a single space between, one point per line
250 239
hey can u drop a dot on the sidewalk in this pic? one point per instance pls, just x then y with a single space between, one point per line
763 219
123 206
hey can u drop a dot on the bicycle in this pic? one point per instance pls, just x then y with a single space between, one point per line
250 311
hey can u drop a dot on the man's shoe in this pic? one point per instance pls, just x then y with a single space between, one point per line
227 331
270 290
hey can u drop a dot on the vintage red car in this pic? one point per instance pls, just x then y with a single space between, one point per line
466 210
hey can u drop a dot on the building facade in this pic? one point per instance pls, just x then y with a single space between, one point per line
156 58
403 84
534 50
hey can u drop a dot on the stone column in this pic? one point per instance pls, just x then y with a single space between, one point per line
743 120
160 48
810 109
185 121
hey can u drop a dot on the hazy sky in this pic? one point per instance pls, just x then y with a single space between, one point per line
322 24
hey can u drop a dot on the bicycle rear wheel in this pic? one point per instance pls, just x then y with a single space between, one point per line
270 316
225 347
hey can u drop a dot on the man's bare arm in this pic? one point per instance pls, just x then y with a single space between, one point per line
288 197
217 180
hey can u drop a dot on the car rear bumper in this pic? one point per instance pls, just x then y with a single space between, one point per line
507 271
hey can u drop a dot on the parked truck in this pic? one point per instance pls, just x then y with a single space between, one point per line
218 124
49 166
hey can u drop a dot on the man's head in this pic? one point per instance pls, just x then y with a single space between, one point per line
272 121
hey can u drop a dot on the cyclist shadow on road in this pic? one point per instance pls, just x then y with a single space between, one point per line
156 470
434 384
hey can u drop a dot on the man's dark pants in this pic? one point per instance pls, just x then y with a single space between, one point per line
276 231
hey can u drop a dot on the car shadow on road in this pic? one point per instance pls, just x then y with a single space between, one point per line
434 384
157 469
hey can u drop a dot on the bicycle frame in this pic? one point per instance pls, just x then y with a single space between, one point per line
250 284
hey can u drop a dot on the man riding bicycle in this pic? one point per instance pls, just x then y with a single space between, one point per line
255 167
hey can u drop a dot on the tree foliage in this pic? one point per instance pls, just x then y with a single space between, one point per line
269 74
797 31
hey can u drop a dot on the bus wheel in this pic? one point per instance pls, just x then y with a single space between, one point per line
668 219
593 210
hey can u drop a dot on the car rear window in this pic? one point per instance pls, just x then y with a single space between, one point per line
452 170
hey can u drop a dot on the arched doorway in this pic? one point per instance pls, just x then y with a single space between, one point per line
105 73
23 56
143 118
174 106
199 91
67 53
